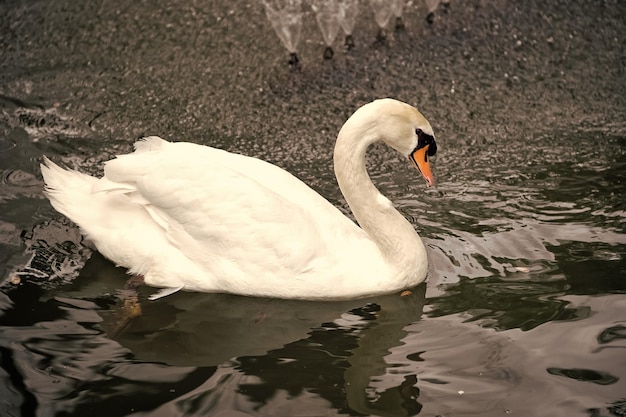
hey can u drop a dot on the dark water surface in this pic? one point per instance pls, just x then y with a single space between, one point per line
524 311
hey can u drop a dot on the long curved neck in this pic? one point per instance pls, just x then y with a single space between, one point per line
392 233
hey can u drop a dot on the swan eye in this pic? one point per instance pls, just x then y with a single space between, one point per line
424 139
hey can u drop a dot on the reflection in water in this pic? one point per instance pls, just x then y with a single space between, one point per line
378 359
588 375
58 331
482 371
60 362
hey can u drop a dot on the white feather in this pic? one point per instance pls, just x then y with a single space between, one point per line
199 218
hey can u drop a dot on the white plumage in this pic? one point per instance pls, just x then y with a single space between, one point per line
198 218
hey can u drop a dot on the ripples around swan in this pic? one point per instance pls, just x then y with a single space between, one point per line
519 313
524 307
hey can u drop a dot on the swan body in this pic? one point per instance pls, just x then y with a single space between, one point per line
186 216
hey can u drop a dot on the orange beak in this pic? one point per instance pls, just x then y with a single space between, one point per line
419 158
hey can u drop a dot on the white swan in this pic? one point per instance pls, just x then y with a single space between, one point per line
191 217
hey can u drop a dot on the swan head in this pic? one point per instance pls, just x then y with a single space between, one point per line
402 127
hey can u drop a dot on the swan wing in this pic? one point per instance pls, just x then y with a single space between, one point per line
234 215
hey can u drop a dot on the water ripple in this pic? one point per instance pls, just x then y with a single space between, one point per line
16 183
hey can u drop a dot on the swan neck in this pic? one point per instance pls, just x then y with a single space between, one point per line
385 226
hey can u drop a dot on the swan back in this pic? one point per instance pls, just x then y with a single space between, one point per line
249 225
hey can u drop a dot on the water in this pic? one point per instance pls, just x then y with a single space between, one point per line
523 312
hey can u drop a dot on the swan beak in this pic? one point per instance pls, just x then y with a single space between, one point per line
419 158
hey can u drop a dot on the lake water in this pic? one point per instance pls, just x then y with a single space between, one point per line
524 309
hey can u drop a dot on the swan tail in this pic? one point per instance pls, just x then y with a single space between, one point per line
69 191
149 144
